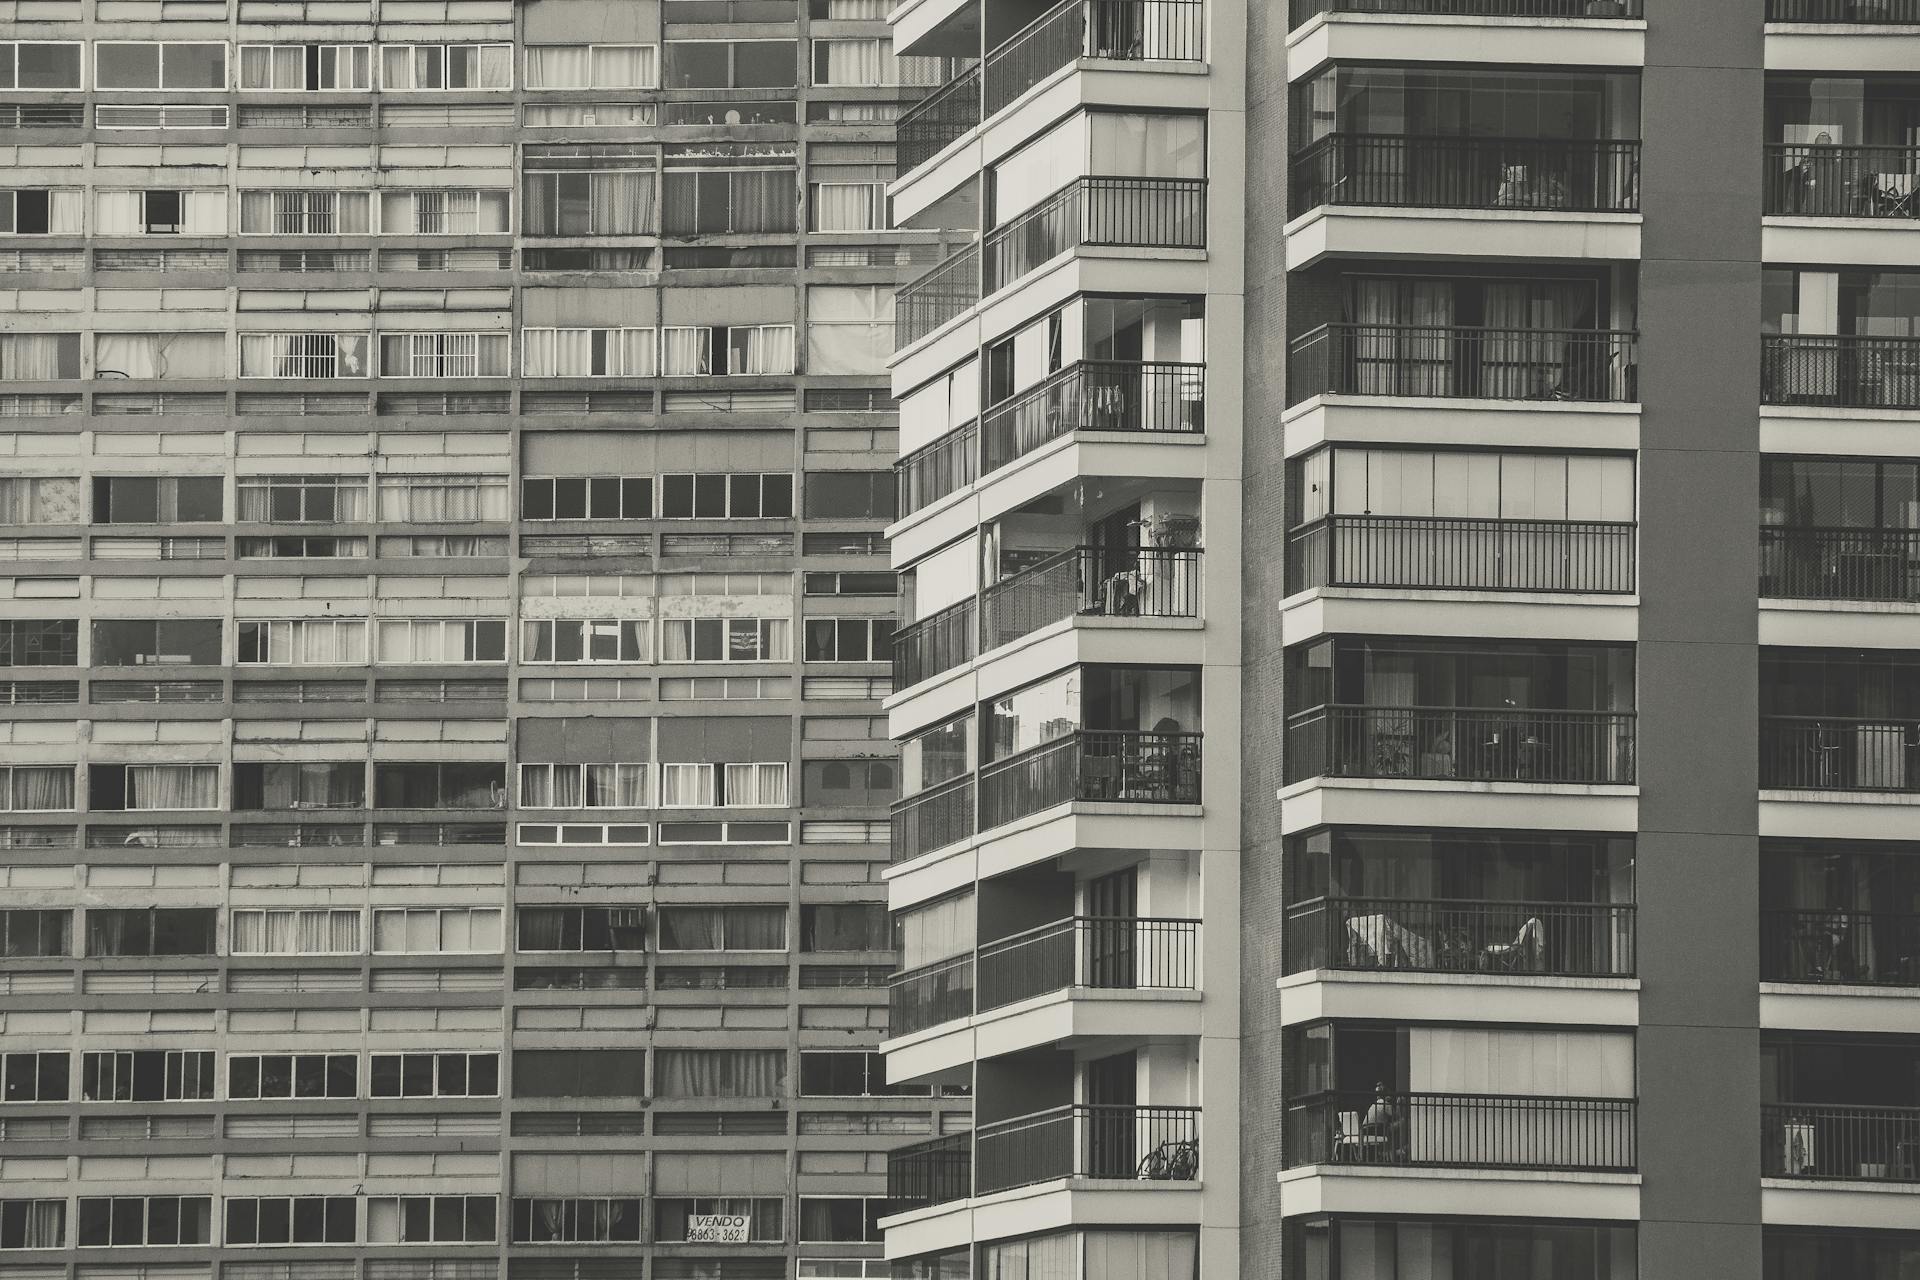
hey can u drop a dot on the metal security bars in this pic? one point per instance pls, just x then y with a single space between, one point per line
1455 553
1106 582
936 121
1105 952
933 471
1839 753
940 295
1839 564
933 819
930 995
1497 744
1162 213
1146 1143
1461 361
1819 1140
935 644
1819 180
1461 1131
1562 939
931 1172
1841 370
1305 9
1831 945
1573 175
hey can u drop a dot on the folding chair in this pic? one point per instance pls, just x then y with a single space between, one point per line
1895 193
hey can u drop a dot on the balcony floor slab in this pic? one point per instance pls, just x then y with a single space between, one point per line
1839 1006
1449 420
1471 234
1838 815
1468 614
1814 1202
1823 429
1842 47
1402 996
1533 806
1046 1206
1397 38
1422 1193
1839 624
1840 242
1058 1018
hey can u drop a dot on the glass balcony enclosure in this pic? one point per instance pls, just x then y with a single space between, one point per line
1514 711
1840 720
1359 1248
1839 528
1847 338
1449 519
1840 1106
1460 901
1843 146
1831 911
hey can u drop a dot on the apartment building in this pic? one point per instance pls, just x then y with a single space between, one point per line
1409 682
444 449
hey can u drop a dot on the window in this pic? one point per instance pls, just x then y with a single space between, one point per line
300 548
849 783
591 1220
583 786
156 642
747 495
158 499
705 786
581 833
39 357
592 66
723 349
446 66
850 639
130 788
301 642
33 1224
33 1077
318 500
726 639
28 65
40 212
579 1073
443 640
311 931
146 65
847 186
590 191
292 1220
850 495
160 355
431 1219
436 930
586 498
732 64
845 926
309 212
463 785
150 931
761 928
720 1073
582 928
584 640
728 189
587 353
286 67
303 355
672 1218
842 1219
40 500
443 212
146 1075
850 1074
135 1221
849 329
434 1075
252 1076
27 931
36 788
439 499
870 63
443 355
299 784
846 583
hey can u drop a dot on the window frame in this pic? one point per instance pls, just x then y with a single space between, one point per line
160 66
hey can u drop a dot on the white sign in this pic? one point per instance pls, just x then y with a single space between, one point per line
717 1228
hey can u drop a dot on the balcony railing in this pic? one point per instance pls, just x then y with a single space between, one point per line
1839 753
930 995
1161 213
1093 764
935 122
1159 1144
1819 180
1107 952
931 1172
1117 30
923 305
1101 582
1461 1131
1147 399
1452 553
1568 175
1498 744
936 643
933 819
1460 361
1819 945
1902 12
1840 370
1816 1140
933 471
1839 564
1561 939
1305 9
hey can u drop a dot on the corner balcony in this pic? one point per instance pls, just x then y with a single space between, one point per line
1833 1142
1454 553
1806 563
1464 362
1818 180
1462 1131
1831 946
1547 939
1305 9
1840 371
1839 754
1511 744
1146 1144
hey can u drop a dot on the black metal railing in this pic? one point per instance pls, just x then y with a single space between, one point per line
1163 213
938 120
1895 12
1839 753
924 304
1160 1144
931 1172
1092 764
1820 180
1156 398
1562 939
1839 564
1455 553
930 995
1575 175
933 819
1829 945
936 643
1840 370
1100 582
1305 9
933 471
1461 1131
1463 361
1820 1140
1496 744
1107 952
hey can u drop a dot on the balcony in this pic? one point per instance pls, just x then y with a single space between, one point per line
934 645
930 995
1840 371
1826 1141
1097 212
1092 764
1561 175
937 297
1839 753
933 819
1500 744
1465 362
1160 1144
1450 553
1555 939
1902 12
931 1172
938 120
934 471
1462 1131
1148 400
1818 180
1835 946
1305 9
1100 582
1839 564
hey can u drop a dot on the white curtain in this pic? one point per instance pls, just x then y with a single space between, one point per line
38 788
848 206
40 500
757 785
161 355
495 67
117 213
559 66
173 786
1594 1064
329 642
1142 1255
685 786
623 66
767 348
1055 1257
937 931
686 351
1128 145
859 63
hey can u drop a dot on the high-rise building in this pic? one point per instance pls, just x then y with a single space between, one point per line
1409 685
444 451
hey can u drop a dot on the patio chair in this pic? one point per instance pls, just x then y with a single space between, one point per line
1895 194
1524 952
1352 1144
